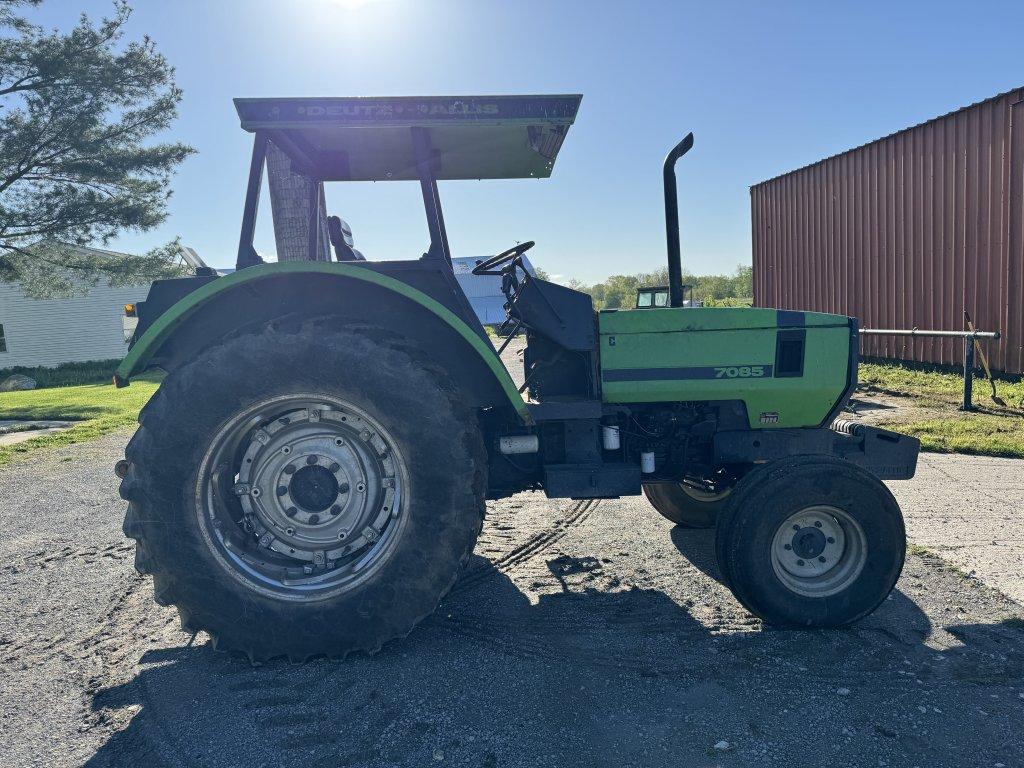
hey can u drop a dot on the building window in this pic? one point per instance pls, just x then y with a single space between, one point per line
3 339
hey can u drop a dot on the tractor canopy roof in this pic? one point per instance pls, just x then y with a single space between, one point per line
372 139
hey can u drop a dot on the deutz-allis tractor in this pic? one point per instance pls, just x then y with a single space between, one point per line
312 474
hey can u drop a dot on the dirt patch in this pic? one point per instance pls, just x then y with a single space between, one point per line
874 407
988 430
878 406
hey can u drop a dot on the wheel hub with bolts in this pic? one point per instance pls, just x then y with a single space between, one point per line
818 551
319 485
314 487
809 543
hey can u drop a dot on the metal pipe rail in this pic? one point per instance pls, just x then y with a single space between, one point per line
918 332
969 337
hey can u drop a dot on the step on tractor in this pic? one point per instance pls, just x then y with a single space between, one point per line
312 474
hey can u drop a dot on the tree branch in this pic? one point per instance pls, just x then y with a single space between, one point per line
75 111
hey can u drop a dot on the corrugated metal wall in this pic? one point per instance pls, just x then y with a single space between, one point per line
905 232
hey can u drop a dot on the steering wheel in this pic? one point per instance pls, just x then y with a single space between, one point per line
487 267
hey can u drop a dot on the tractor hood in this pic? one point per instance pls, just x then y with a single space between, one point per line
367 138
713 319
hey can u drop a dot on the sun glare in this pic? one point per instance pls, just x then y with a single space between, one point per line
351 5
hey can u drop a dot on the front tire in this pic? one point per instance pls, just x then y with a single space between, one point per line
686 505
305 491
811 541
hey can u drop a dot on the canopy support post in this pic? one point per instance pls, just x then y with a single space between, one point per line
247 256
425 162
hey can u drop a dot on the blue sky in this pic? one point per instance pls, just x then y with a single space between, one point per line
766 87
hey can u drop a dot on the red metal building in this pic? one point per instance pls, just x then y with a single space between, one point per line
907 231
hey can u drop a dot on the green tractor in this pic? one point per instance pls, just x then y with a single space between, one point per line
311 476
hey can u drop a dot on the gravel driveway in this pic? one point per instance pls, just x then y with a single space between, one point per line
587 633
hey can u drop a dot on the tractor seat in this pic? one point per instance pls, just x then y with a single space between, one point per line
341 238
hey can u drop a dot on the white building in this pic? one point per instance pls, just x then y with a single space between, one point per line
483 291
48 332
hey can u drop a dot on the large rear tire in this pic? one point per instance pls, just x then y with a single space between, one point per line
811 541
686 505
308 490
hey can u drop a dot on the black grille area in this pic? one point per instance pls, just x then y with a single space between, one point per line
789 353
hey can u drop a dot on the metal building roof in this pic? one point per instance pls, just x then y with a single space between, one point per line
906 232
1019 90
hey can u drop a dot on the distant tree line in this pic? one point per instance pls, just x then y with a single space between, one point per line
619 291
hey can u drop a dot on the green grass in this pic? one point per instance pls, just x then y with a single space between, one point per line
936 395
977 433
99 409
936 384
68 374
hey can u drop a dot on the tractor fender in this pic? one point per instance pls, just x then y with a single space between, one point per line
294 290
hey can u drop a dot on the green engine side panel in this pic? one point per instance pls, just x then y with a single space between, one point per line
699 354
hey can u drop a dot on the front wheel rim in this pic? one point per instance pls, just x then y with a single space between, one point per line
302 497
819 551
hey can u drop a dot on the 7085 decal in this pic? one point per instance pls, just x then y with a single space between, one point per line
740 372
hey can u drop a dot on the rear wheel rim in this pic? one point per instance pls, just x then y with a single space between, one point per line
819 551
302 497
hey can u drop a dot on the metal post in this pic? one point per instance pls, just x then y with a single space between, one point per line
315 239
968 372
431 198
247 255
969 338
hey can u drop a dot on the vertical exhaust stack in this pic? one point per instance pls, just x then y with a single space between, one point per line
675 265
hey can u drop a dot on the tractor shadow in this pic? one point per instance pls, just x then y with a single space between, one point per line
697 546
575 668
864 403
900 617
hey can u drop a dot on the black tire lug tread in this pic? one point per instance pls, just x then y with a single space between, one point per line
131 527
736 523
150 526
143 562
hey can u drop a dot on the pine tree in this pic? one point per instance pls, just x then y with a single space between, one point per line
77 166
